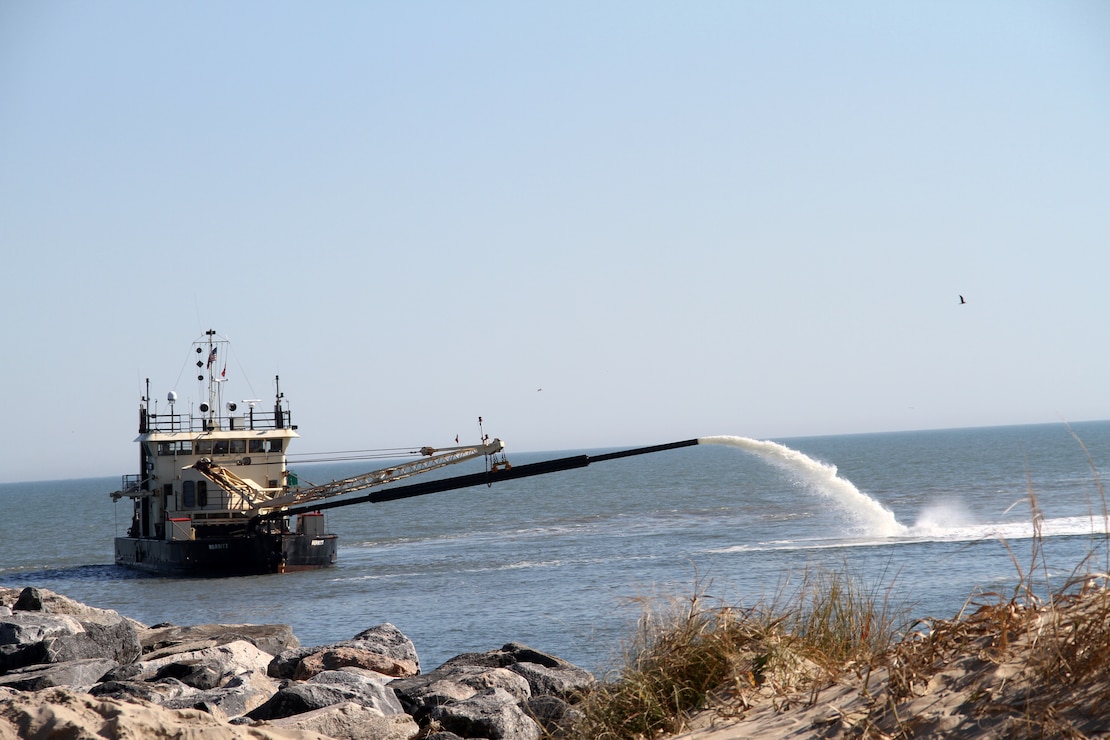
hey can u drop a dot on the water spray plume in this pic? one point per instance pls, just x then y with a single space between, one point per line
821 478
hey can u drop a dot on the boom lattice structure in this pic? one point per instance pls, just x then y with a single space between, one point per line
264 501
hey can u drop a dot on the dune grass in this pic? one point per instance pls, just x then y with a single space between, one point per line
687 654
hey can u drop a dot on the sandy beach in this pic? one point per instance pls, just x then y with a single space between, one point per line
999 671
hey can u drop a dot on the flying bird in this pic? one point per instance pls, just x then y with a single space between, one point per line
962 301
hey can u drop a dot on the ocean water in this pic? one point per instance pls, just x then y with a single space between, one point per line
561 561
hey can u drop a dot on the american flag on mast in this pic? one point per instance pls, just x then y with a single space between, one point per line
211 357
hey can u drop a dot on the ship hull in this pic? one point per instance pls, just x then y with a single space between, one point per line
228 556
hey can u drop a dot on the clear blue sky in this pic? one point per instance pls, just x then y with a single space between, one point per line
678 219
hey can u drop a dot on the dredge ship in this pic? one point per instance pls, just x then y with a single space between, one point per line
214 495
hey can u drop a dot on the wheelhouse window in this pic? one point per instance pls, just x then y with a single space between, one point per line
239 446
177 447
260 446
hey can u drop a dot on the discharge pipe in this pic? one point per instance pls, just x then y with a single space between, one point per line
477 479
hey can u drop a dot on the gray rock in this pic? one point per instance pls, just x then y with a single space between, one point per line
113 638
164 640
384 640
19 656
30 600
225 681
372 688
555 717
30 637
130 690
299 699
329 688
28 628
163 691
229 659
387 640
80 674
512 652
237 696
199 674
123 673
452 684
334 658
545 673
44 627
57 604
492 713
563 682
352 721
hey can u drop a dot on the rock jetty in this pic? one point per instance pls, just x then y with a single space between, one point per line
72 670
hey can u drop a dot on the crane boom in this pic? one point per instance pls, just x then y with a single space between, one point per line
261 503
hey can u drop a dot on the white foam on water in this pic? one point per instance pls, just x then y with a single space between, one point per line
1069 526
1073 526
823 479
941 517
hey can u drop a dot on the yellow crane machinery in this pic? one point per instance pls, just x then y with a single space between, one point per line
263 501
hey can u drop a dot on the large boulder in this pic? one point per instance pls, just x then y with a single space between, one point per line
492 713
227 659
44 627
164 640
456 683
237 696
507 693
329 688
198 673
352 721
556 717
546 674
80 674
115 639
382 649
24 636
44 600
225 680
156 692
26 628
334 658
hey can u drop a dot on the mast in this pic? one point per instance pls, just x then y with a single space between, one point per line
213 402
209 350
279 421
144 427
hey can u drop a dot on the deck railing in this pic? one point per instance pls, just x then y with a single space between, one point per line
253 420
